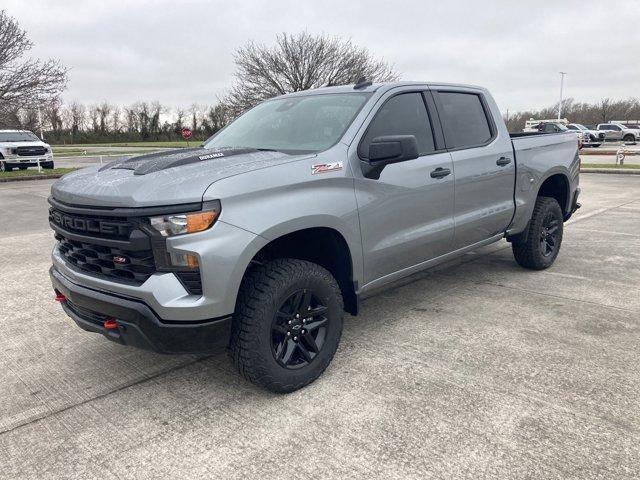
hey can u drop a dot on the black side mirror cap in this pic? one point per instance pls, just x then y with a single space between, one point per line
388 149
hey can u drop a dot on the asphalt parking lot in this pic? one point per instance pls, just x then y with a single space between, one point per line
476 370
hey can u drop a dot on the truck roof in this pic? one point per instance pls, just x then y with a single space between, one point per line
374 87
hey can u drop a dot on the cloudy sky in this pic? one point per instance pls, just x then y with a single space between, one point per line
180 52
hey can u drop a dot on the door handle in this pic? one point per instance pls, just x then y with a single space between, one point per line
502 161
440 172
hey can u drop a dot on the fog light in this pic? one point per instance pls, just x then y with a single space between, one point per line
180 259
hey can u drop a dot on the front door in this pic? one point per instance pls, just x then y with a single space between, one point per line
406 216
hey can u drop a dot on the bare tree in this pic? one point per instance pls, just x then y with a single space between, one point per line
300 62
76 116
24 84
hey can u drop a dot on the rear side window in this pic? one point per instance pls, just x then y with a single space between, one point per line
404 114
465 119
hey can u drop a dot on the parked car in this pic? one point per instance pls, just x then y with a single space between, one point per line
263 237
617 131
557 127
23 149
592 138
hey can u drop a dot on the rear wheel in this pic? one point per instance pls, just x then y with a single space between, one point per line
539 247
287 325
629 138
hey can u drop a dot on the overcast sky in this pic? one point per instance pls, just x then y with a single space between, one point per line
180 52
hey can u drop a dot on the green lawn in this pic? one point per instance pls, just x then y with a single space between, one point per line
171 144
33 172
78 152
629 166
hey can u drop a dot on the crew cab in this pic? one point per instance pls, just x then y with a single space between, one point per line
617 131
23 149
262 238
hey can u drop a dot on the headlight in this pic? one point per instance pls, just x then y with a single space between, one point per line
182 223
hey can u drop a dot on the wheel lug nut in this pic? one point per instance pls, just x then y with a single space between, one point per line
295 338
303 332
289 322
288 334
297 315
304 320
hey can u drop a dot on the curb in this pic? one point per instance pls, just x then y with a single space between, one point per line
625 171
598 152
34 177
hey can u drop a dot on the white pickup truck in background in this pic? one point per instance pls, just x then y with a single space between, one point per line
617 131
23 149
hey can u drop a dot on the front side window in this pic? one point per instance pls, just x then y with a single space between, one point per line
466 121
404 114
304 124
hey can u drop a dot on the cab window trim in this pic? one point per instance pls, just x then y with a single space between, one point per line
485 108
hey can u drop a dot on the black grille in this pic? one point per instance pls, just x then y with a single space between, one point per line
135 266
191 281
103 227
31 151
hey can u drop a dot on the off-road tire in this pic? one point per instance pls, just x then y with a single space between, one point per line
262 292
528 249
629 138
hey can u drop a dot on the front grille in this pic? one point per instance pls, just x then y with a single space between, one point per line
103 227
31 151
118 247
134 266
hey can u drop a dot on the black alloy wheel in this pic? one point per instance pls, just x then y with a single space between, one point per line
299 329
549 234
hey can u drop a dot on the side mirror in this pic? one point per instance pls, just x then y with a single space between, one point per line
388 149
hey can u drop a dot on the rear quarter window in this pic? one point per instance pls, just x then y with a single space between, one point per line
465 118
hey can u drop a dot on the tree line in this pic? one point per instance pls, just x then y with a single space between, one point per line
106 122
588 114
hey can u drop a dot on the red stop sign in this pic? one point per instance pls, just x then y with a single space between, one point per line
186 133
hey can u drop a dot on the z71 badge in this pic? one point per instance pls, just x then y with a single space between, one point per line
325 167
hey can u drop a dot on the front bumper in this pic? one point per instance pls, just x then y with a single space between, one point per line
16 161
137 324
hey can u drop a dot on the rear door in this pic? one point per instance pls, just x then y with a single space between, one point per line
483 163
406 216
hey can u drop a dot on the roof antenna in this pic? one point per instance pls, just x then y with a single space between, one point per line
362 83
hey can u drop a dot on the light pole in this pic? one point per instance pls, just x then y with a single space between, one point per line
562 74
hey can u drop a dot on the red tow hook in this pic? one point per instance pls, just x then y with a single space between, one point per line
110 323
60 298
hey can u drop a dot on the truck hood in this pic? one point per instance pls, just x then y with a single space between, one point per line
165 178
23 144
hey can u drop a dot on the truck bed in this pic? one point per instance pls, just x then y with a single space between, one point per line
538 156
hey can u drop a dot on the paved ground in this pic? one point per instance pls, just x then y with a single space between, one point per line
479 371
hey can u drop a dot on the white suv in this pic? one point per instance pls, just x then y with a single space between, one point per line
23 149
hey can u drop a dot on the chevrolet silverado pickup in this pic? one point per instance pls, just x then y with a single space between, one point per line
262 238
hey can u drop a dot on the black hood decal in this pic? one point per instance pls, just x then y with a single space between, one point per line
154 162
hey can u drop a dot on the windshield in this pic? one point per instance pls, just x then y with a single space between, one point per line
18 137
579 127
303 124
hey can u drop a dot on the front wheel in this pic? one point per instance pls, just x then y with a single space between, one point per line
539 247
287 324
4 167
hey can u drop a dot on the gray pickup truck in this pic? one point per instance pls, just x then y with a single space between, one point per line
264 236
